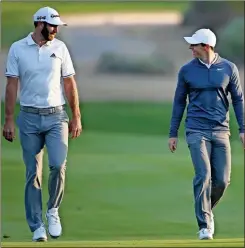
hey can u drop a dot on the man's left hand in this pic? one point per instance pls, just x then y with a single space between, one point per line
75 127
241 135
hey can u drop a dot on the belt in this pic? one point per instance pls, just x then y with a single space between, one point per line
42 111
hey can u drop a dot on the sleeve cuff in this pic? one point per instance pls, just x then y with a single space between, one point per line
173 134
69 75
241 130
11 75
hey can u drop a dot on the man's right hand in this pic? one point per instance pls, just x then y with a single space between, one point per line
172 143
9 130
241 135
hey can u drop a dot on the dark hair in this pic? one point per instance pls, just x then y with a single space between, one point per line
36 23
202 44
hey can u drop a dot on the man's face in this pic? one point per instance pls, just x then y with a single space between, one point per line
49 31
198 51
53 30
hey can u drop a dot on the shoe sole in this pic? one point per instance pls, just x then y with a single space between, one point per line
53 237
40 240
206 239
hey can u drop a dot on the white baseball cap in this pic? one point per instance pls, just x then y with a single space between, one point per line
49 15
205 36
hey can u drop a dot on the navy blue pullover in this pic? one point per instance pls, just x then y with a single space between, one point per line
207 90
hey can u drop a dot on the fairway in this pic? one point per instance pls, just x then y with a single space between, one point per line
124 185
136 243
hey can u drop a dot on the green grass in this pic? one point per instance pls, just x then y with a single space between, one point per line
17 16
133 117
124 186
141 243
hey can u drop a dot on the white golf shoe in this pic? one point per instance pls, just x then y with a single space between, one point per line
205 233
39 235
54 225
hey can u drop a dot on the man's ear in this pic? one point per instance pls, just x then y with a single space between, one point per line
40 24
207 48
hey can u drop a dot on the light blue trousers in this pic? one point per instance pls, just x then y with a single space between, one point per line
211 157
37 131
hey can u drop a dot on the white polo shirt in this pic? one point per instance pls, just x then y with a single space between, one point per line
40 71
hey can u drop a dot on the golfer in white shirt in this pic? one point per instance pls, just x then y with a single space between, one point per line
37 63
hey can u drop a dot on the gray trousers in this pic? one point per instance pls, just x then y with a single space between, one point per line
211 157
37 131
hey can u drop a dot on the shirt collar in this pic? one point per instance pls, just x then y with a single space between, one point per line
215 59
31 42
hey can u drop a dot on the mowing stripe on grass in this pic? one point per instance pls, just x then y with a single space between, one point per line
137 243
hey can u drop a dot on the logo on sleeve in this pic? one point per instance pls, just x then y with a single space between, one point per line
53 55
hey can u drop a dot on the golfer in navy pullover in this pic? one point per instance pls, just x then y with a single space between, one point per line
207 80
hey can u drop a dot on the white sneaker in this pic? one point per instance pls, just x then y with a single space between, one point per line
39 234
212 224
54 225
205 233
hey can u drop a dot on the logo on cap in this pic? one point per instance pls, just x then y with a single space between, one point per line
41 17
53 16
